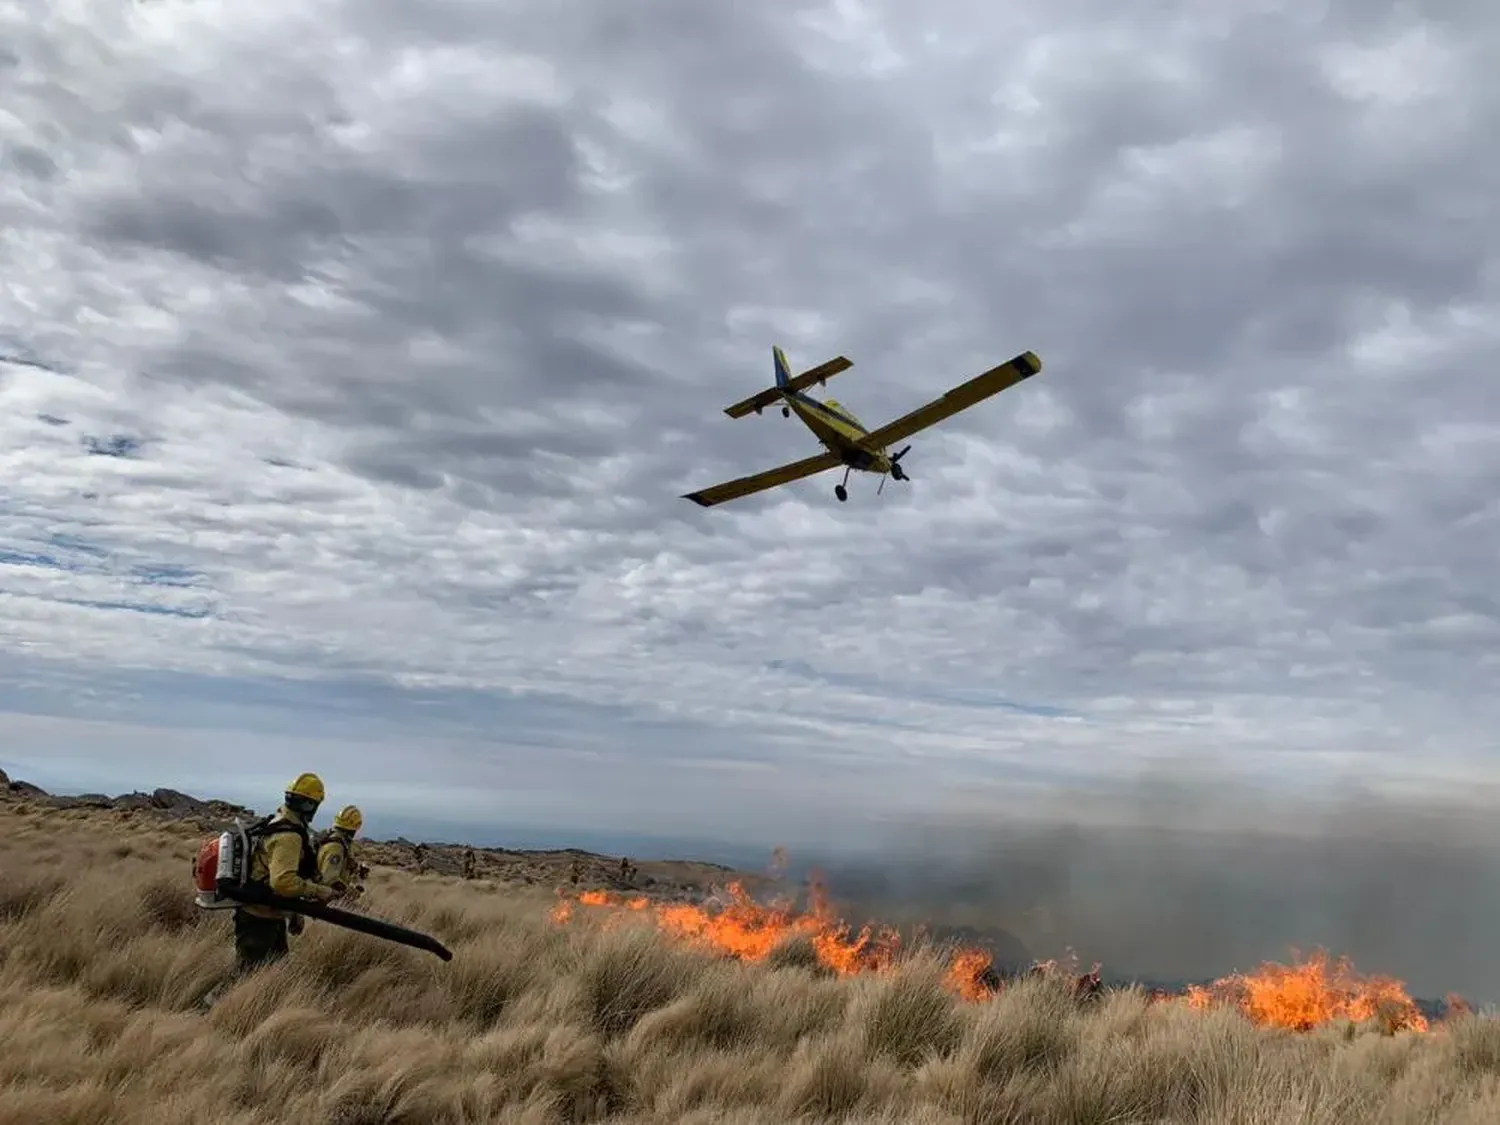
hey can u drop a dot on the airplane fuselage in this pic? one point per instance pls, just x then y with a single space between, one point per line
839 431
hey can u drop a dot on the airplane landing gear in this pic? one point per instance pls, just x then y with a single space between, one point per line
841 489
786 411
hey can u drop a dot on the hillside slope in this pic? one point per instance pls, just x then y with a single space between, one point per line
507 866
103 962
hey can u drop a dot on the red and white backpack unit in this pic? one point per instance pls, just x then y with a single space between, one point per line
221 870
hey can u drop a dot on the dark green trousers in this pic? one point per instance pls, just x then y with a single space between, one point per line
258 941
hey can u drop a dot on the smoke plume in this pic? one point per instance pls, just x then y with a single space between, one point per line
1187 878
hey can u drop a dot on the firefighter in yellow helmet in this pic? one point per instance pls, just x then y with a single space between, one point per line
337 866
282 860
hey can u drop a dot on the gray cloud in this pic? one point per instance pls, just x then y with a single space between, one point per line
424 316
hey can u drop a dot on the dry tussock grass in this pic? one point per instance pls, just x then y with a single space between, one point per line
103 960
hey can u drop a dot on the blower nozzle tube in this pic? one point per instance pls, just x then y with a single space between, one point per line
363 923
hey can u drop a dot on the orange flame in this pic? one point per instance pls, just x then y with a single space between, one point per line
744 929
968 974
1313 992
1300 996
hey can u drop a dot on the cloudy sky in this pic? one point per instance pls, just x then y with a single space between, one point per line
356 354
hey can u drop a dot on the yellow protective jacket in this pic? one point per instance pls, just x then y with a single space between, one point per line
336 867
286 863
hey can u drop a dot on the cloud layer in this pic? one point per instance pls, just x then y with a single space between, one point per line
373 344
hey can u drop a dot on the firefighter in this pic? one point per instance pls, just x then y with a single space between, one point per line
337 866
469 863
282 860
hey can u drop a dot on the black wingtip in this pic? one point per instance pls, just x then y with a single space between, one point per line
1028 363
697 498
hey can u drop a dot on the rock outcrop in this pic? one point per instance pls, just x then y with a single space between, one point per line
168 803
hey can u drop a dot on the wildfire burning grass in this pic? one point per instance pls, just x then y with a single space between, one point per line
624 1013
1312 993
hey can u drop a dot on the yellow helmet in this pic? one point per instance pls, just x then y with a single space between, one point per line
308 786
349 819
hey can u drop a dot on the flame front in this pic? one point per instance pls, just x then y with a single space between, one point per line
1306 994
747 930
742 928
1311 993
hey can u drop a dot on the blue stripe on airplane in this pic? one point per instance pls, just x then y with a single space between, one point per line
826 409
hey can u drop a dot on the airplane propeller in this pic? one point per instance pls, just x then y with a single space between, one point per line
896 470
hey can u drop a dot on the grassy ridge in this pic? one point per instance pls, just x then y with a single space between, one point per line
103 960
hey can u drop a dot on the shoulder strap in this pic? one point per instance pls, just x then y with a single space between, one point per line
270 826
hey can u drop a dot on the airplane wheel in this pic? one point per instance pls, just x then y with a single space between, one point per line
786 411
841 492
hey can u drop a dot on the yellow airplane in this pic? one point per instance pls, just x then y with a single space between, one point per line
845 438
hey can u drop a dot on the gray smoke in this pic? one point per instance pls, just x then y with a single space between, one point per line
1191 879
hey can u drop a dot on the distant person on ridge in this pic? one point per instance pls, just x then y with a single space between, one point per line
337 866
469 862
283 861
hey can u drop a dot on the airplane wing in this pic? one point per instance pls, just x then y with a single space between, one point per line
771 478
961 397
819 374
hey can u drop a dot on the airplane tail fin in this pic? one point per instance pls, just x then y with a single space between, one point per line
783 372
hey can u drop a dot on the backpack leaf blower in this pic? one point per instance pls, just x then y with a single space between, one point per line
221 874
